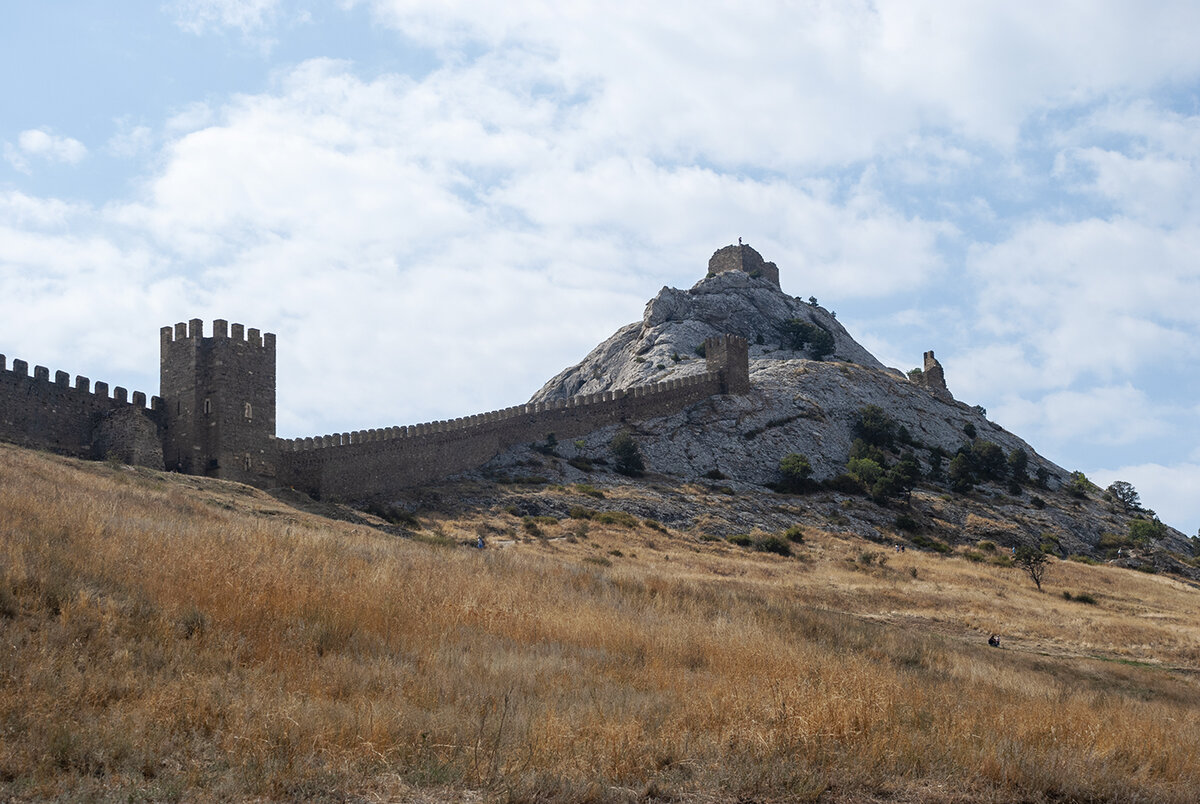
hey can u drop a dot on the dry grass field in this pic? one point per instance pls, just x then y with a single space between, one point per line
175 638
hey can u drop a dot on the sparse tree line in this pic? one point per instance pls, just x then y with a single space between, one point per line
883 463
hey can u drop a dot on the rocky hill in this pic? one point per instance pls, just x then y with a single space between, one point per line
812 386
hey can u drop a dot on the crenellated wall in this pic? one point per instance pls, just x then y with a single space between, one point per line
80 419
216 417
373 462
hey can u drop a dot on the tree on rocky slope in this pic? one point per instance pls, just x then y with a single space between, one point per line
1034 562
1124 495
627 454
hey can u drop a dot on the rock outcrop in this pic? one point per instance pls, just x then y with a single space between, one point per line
665 343
803 397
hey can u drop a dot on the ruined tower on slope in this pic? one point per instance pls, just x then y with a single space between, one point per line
218 401
933 377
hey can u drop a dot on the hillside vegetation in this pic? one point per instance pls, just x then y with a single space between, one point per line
176 638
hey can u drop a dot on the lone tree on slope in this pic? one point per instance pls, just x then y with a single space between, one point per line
628 456
1125 495
1034 562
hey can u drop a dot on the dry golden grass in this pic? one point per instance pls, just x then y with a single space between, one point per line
177 638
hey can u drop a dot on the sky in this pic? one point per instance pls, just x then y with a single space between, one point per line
437 206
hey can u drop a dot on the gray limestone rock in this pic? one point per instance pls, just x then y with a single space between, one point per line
676 322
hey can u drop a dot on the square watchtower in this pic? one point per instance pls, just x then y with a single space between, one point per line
219 401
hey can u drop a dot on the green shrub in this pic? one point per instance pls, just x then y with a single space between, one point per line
846 484
579 512
798 334
794 534
906 523
973 556
1079 485
796 471
1143 531
589 490
616 518
874 426
598 560
581 463
654 524
1037 502
715 474
740 539
1082 559
773 544
865 470
986 545
627 454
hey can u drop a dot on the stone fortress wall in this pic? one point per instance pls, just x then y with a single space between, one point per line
80 420
216 417
373 462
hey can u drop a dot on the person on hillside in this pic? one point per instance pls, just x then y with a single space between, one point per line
994 640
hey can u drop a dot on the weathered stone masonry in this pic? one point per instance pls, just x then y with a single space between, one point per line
216 417
218 401
78 420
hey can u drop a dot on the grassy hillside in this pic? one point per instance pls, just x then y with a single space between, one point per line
167 637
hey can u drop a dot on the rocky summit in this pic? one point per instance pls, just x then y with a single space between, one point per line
812 385
809 378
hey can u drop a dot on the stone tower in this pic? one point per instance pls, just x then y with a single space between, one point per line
743 258
933 377
218 401
729 356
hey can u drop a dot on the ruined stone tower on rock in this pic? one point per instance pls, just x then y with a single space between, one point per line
218 401
743 258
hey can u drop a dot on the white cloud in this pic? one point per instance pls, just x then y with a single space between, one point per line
782 83
247 16
39 143
1108 415
1098 298
131 140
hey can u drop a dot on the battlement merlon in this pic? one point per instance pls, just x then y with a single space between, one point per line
193 330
